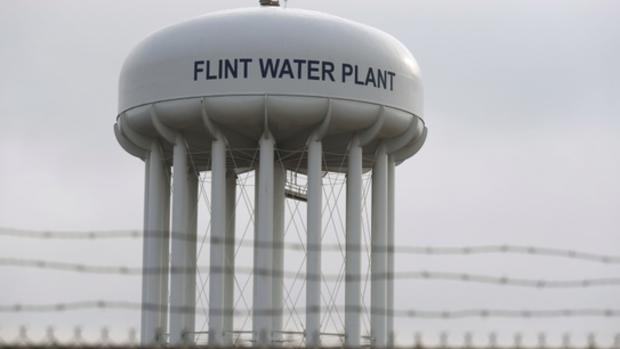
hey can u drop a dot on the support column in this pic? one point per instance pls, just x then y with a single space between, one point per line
263 248
391 167
179 256
278 251
229 275
313 260
154 304
190 318
164 265
378 257
218 233
353 267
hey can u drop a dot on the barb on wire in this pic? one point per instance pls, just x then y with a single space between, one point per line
411 275
411 313
69 235
513 249
420 340
420 250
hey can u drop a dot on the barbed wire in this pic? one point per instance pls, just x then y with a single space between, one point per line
72 235
420 340
50 339
409 313
420 250
410 275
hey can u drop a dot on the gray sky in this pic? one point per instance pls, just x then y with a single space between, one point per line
522 102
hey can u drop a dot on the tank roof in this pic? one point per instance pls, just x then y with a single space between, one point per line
270 50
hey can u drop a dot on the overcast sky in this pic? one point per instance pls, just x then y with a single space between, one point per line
522 103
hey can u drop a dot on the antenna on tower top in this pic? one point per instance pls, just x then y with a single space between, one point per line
270 2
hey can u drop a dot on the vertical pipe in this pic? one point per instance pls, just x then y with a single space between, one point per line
278 250
190 318
378 257
229 275
179 244
165 256
153 315
218 233
313 260
353 267
263 248
391 170
256 205
149 320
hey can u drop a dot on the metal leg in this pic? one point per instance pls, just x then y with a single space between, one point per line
229 274
218 233
313 261
390 251
179 244
263 249
156 199
164 265
190 298
278 250
378 250
353 268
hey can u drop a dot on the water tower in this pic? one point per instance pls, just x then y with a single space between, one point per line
275 92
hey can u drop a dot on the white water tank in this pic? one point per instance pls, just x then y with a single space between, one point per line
269 90
272 67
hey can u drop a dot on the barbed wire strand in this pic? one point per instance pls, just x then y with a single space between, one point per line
410 313
105 339
420 250
410 275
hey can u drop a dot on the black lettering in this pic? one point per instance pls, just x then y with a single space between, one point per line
286 69
347 70
382 79
357 80
245 62
198 69
328 69
267 66
230 68
209 76
391 74
370 78
300 63
313 68
280 68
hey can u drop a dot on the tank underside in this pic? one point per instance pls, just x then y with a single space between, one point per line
291 120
